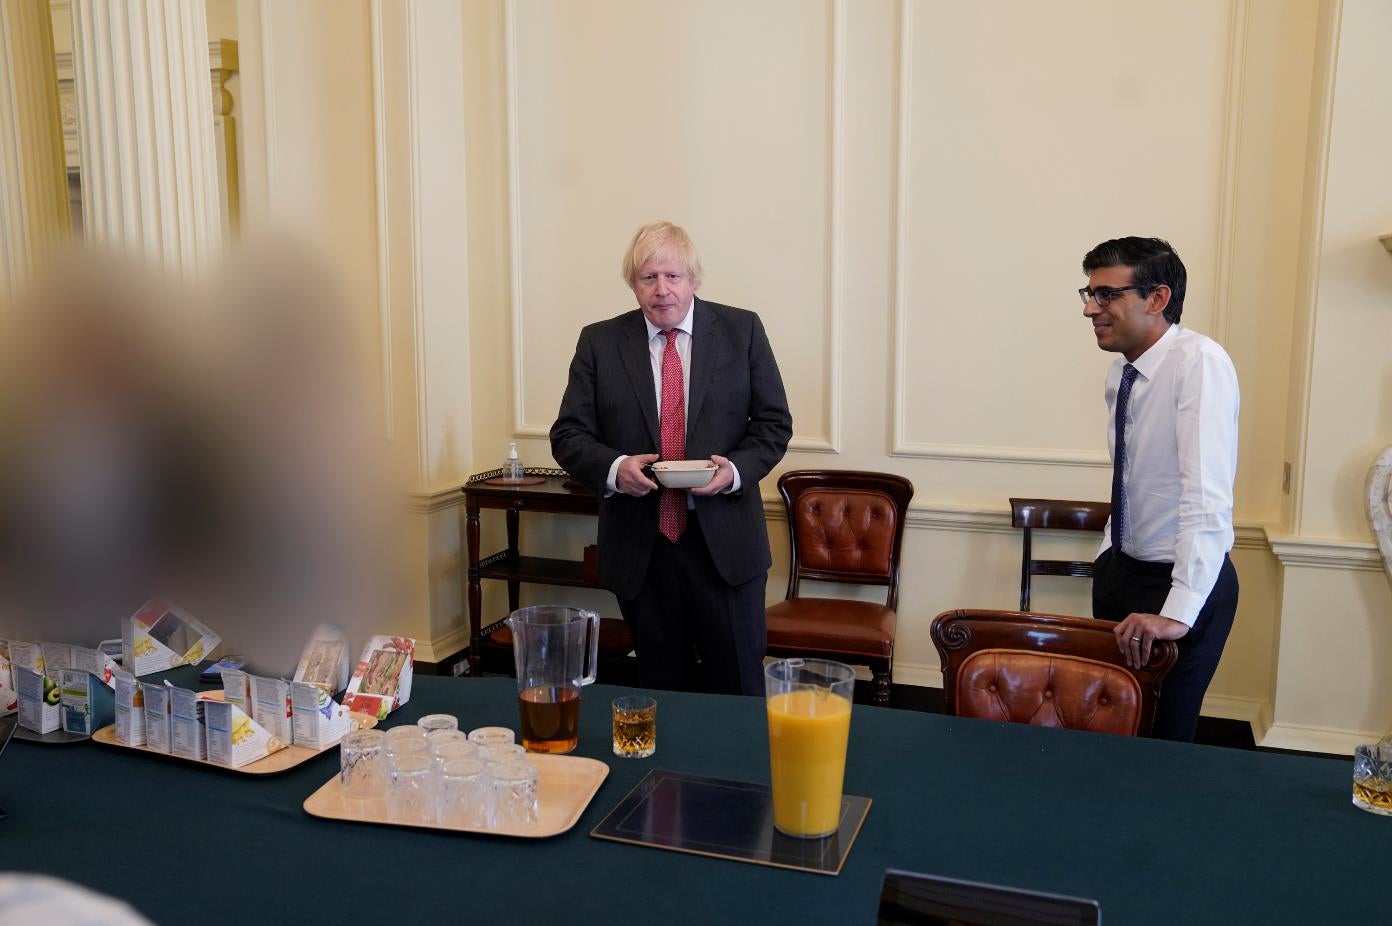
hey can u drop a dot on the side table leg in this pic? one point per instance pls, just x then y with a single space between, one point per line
514 587
475 593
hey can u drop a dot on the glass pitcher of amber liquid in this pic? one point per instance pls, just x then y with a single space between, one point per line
556 651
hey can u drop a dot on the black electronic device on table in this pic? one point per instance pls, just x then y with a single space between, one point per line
7 728
911 899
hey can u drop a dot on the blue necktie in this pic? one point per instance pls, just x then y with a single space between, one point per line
1128 379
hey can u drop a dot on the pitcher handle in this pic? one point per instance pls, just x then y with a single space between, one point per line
593 663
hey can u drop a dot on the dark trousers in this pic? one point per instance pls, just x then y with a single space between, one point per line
693 631
1122 585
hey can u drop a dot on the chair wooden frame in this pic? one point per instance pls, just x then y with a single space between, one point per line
1054 514
791 485
959 634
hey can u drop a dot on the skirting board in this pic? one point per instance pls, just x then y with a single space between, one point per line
1315 739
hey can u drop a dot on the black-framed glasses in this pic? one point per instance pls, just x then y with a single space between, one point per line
1103 295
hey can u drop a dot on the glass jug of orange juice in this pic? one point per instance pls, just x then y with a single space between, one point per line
809 721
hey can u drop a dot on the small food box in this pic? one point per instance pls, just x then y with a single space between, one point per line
188 737
234 739
86 704
381 680
158 737
160 637
130 710
38 701
319 721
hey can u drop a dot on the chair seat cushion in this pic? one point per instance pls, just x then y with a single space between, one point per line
1049 691
613 637
833 625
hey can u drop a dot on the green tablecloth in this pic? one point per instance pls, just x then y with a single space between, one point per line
1157 832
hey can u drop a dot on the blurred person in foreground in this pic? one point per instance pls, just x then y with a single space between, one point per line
679 378
1163 571
218 452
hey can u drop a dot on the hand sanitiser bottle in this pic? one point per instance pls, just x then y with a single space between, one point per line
512 466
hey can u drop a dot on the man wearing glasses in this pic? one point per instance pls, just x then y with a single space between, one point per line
1163 571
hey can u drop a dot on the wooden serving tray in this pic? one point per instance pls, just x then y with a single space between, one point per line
282 760
565 787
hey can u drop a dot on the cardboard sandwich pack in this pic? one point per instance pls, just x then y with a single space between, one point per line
159 637
381 680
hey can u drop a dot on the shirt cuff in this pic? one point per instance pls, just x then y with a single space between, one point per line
734 486
611 484
1183 605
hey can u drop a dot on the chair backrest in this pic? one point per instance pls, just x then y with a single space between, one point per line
1047 670
845 526
1054 514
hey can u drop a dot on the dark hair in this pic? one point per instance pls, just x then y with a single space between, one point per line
1153 263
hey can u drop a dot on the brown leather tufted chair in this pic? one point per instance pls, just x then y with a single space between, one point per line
843 526
1053 514
1046 670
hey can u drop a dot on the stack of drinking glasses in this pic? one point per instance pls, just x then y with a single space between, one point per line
431 772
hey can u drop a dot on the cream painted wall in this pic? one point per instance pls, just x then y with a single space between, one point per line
885 179
1335 632
904 192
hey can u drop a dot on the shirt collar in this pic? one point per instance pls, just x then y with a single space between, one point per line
683 325
1146 364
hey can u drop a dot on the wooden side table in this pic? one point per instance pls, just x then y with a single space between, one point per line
555 495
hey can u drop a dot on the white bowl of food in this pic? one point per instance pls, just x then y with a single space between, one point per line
684 474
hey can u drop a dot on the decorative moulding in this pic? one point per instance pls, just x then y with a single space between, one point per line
1317 553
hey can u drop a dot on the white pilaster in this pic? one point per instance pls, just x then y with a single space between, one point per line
145 121
34 214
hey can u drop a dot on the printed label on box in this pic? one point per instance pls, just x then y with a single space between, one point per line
9 698
320 721
270 706
130 710
160 637
157 732
381 680
38 701
95 662
76 701
236 689
187 732
234 739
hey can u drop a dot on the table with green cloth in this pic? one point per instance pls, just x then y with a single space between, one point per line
1157 832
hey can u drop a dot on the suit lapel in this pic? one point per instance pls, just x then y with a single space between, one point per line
638 362
705 358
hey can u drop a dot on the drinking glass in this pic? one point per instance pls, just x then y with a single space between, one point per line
809 722
411 793
447 736
1372 778
635 726
464 793
492 736
455 749
405 733
362 765
405 745
502 753
512 798
434 723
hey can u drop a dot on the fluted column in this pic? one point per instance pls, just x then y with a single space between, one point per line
34 214
145 124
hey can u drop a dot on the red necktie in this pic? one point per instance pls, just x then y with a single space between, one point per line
671 517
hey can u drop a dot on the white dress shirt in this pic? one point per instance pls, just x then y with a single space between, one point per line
657 345
1181 461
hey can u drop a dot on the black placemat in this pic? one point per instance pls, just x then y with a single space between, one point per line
725 819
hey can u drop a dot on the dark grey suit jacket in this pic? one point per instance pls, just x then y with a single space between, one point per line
737 408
